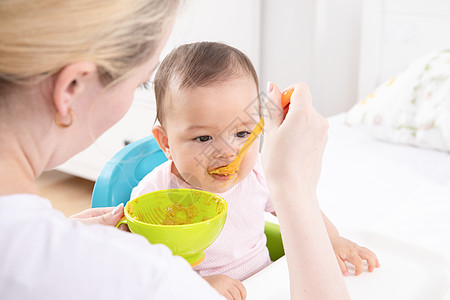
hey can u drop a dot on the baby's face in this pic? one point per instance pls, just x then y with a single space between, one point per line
207 126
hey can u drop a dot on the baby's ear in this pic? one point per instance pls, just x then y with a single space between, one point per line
160 135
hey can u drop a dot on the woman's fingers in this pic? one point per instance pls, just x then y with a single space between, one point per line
301 137
301 97
92 212
272 110
105 216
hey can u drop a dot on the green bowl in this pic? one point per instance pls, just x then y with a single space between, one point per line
185 220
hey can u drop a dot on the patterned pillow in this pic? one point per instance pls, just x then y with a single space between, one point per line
413 107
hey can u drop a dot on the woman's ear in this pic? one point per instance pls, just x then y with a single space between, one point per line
71 82
160 135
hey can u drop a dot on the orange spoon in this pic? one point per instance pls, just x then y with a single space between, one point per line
233 167
286 100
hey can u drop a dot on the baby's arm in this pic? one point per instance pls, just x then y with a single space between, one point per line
346 250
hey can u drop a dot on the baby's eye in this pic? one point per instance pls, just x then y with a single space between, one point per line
242 134
203 138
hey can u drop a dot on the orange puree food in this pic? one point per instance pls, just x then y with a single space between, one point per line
178 214
233 167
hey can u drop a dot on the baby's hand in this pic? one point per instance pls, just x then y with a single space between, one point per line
346 250
230 288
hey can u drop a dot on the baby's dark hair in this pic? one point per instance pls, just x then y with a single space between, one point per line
199 65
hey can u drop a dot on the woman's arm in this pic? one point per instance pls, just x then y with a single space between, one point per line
292 154
331 229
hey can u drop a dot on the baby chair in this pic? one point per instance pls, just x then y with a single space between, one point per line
123 172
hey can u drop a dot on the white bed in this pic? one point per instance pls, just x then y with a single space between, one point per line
392 189
392 198
396 199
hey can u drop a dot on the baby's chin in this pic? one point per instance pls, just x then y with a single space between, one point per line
219 190
213 184
214 188
222 186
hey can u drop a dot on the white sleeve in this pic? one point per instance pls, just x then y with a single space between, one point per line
48 257
145 271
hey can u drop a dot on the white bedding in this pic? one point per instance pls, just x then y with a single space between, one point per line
394 190
391 198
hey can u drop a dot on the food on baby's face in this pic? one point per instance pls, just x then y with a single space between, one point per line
233 167
227 170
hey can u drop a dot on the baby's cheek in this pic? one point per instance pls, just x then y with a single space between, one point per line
244 170
249 162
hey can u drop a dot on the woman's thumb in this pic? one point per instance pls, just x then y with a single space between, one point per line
273 112
110 218
113 217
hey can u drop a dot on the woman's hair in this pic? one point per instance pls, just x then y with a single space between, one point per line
198 65
39 37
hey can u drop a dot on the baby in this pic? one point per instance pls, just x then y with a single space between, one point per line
207 105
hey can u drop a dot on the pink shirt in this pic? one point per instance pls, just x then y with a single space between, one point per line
240 250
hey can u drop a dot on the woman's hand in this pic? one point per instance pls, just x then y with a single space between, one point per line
100 215
230 288
293 148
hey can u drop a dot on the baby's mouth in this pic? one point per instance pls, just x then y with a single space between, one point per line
216 169
222 177
224 173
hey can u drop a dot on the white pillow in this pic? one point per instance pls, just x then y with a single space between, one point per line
413 107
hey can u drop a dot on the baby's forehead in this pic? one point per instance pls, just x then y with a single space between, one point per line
228 95
242 87
235 102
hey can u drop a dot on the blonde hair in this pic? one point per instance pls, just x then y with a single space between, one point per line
38 38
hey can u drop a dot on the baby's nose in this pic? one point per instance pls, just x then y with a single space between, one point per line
226 149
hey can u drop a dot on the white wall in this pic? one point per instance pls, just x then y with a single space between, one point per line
287 41
316 41
396 33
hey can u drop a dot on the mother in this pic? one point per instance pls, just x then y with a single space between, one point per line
68 71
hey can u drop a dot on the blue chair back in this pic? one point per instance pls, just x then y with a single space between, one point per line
124 171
